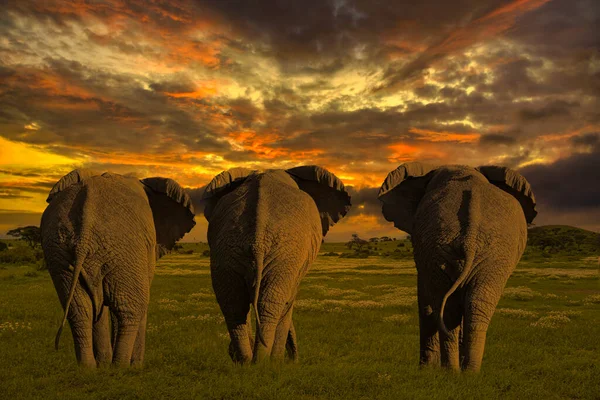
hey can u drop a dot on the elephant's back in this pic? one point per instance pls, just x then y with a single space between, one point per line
444 216
265 207
108 214
263 215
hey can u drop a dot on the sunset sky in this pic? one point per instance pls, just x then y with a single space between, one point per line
187 89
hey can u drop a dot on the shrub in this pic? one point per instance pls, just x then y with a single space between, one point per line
331 254
206 253
358 254
19 254
3 246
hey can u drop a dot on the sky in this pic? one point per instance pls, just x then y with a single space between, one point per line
187 89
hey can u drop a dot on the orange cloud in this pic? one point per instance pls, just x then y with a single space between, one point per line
258 144
403 152
204 89
552 137
186 51
443 136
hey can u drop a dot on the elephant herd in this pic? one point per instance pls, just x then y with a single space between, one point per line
102 234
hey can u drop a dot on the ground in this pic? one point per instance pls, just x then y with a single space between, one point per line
357 329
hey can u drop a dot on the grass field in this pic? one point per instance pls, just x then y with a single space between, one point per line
357 329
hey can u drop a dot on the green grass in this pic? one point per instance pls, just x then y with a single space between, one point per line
358 335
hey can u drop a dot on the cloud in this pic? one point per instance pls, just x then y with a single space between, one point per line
570 184
496 139
188 89
10 219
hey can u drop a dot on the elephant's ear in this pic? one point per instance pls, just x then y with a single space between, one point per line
172 210
402 191
224 183
326 189
513 183
69 179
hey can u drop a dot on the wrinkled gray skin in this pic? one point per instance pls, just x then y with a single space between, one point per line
101 229
468 236
263 237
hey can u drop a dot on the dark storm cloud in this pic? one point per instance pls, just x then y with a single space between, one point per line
196 196
589 139
495 139
569 184
330 31
558 27
552 110
365 201
173 86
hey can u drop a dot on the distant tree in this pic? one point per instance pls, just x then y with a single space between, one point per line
3 246
30 234
356 243
374 240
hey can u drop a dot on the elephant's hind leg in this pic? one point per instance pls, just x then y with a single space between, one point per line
281 336
480 305
234 301
449 344
428 330
102 340
125 341
139 348
129 306
80 318
292 343
275 302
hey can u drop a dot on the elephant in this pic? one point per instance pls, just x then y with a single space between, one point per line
101 236
264 231
468 227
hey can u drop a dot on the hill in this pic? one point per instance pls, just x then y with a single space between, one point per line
564 238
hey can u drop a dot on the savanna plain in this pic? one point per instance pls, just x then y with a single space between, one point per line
357 326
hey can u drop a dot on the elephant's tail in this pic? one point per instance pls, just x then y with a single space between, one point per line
469 247
259 269
76 272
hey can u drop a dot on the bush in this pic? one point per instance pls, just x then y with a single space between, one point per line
355 255
331 254
188 251
3 246
206 253
19 254
364 253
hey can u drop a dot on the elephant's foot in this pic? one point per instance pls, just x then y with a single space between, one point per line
88 364
85 359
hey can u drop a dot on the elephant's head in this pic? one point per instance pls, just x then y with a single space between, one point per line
404 187
172 208
327 190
